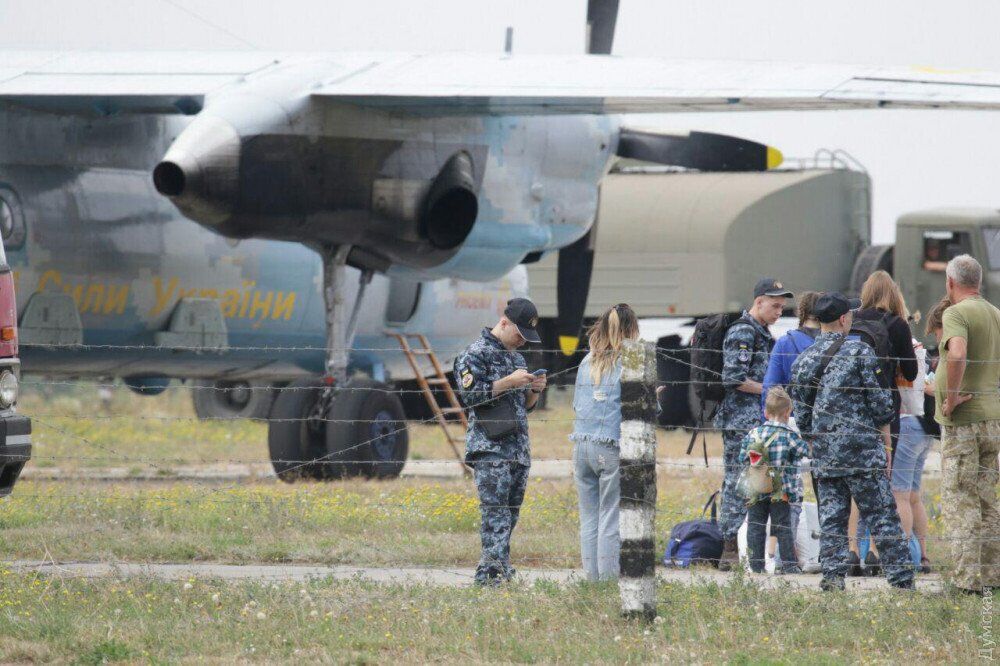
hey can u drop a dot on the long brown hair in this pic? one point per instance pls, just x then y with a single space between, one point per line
616 325
881 291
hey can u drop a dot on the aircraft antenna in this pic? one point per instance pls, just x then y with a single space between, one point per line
211 24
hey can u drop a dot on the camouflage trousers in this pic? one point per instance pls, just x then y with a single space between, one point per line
501 486
969 506
734 507
875 502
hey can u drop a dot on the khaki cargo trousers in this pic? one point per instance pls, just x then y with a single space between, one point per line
969 505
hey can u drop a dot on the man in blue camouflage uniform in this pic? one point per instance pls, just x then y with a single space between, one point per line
843 420
745 355
490 373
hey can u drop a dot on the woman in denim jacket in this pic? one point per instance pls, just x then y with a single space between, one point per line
596 429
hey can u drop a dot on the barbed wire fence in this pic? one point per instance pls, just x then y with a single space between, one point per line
208 489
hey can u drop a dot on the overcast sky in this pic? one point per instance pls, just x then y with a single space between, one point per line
916 159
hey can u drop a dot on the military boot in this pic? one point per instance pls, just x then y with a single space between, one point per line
730 555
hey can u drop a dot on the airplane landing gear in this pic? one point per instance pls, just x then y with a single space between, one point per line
336 428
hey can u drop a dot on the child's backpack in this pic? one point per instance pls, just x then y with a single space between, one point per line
756 477
696 541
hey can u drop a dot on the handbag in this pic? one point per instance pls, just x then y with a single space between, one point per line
497 420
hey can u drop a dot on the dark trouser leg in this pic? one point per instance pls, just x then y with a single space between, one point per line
757 533
734 507
515 497
781 527
493 483
877 506
833 513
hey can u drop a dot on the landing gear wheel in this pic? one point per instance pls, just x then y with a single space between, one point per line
231 399
294 437
367 432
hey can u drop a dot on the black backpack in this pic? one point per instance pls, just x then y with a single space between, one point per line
875 332
706 356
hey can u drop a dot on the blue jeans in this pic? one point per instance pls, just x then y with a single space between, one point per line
911 454
595 469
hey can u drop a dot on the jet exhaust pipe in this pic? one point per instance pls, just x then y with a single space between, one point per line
451 205
200 172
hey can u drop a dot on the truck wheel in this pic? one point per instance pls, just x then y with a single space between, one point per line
872 258
293 437
367 433
673 368
231 399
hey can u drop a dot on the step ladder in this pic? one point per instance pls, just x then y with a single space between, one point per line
426 384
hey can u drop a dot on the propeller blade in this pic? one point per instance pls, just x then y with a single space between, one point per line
576 263
698 150
601 18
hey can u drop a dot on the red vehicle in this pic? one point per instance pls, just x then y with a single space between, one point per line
15 430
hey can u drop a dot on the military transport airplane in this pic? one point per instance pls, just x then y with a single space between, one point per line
418 167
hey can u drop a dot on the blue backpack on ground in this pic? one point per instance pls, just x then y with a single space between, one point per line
696 541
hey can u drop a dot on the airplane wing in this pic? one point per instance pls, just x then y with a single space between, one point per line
115 82
611 84
180 82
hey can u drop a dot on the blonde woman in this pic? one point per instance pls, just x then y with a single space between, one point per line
882 300
596 430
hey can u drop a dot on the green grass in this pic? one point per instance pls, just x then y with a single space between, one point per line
51 619
148 434
398 523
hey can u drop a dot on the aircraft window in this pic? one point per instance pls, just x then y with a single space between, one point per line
11 219
991 235
941 246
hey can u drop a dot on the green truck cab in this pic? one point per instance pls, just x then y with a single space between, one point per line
926 240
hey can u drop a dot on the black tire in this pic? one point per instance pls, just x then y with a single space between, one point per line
871 259
673 369
291 438
367 433
231 399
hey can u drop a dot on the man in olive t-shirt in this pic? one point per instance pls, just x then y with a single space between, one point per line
967 388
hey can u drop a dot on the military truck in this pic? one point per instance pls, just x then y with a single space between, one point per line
680 245
926 240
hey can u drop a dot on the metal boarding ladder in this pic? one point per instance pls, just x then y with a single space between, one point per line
441 380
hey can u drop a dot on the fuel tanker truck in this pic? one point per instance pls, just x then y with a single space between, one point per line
679 245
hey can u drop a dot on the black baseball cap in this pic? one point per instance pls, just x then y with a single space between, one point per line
524 314
770 287
831 306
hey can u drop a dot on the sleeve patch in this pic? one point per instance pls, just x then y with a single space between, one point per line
467 379
744 354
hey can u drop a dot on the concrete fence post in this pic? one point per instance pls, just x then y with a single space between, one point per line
637 581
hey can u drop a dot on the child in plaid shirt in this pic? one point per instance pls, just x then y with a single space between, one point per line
782 449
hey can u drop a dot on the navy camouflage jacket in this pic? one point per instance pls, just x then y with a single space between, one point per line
482 363
851 405
745 354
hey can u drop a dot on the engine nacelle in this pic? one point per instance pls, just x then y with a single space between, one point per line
408 203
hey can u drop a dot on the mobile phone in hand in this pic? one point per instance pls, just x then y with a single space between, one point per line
540 372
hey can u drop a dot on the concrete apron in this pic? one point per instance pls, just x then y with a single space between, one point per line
426 469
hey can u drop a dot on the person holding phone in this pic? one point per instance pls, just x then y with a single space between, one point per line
498 392
596 431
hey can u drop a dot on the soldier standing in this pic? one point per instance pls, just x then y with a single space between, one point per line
499 392
966 388
745 355
841 407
